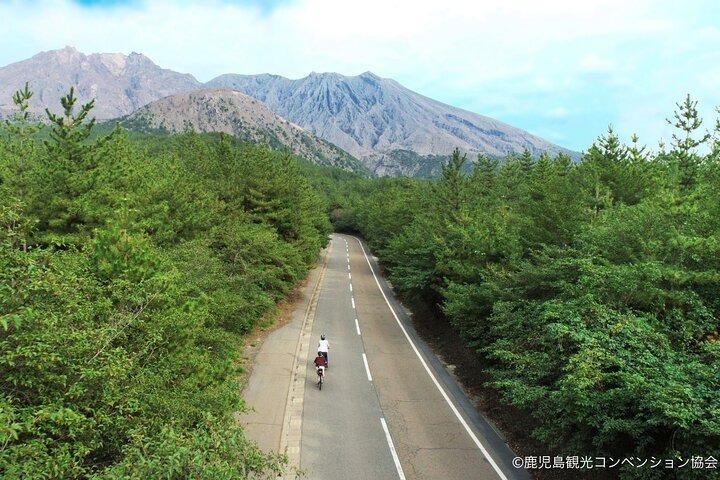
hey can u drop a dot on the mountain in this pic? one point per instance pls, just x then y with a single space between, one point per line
390 128
233 112
121 84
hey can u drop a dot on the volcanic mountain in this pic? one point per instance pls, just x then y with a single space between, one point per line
387 126
237 114
391 129
120 83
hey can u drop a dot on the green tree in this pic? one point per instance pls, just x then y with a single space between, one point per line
19 149
527 162
18 158
484 174
69 175
687 121
119 351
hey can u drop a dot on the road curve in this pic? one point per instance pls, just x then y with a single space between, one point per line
388 409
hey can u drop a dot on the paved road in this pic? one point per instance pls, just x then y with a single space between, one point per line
388 409
342 436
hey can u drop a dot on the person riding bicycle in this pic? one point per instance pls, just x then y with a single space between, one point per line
320 365
323 347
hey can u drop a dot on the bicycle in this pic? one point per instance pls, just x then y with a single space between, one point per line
321 377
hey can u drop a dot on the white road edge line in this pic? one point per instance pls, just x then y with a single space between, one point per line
350 275
357 326
367 368
427 369
401 474
352 299
351 287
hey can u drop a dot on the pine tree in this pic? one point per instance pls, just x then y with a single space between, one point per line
450 190
70 171
510 178
17 158
527 162
69 131
637 154
684 145
20 147
611 147
484 174
715 143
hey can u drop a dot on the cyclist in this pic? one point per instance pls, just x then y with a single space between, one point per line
323 347
320 365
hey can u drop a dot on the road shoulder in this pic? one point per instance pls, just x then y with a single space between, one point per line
270 360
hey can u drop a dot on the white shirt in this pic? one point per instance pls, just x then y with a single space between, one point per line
323 346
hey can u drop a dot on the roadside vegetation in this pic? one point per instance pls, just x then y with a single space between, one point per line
132 265
129 271
589 290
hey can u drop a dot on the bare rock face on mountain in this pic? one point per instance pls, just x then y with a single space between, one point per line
392 130
120 84
237 114
378 120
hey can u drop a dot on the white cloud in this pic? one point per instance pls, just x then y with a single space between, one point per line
595 64
558 112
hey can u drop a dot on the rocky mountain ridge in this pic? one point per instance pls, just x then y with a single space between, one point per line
237 114
120 83
375 119
391 129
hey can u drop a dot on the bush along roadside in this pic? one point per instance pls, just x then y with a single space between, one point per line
589 289
129 270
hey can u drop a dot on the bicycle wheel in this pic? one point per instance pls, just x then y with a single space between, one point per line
321 381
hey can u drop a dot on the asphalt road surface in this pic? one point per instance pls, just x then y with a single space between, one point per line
388 408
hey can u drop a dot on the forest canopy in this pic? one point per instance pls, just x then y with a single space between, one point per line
131 266
129 270
589 290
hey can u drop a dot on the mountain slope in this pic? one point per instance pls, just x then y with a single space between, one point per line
121 84
374 118
232 112
391 129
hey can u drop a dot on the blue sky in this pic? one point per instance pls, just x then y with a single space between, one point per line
561 69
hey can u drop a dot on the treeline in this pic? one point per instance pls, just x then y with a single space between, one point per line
589 290
128 272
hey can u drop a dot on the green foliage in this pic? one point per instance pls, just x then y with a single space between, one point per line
178 453
130 267
128 271
589 290
18 146
684 145
70 130
70 175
